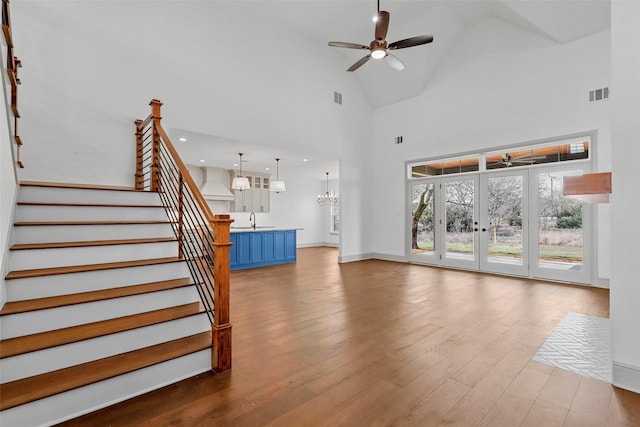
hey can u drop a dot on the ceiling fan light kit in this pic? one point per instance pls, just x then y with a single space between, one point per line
378 48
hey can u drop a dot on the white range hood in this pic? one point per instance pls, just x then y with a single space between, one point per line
216 184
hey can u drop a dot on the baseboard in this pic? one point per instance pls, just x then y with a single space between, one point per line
372 255
388 257
317 245
353 258
626 376
601 283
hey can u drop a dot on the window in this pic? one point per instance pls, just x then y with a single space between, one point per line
445 167
335 219
528 155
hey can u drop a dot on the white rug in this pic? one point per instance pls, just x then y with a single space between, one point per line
579 344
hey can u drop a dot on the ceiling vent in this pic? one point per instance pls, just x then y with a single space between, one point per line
337 98
599 94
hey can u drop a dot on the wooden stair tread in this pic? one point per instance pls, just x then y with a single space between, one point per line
76 186
23 306
91 205
39 223
27 390
50 271
34 342
59 245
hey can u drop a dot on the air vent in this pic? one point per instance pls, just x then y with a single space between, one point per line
399 140
599 94
337 98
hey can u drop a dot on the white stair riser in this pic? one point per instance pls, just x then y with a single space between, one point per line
15 325
63 284
84 233
27 213
82 195
61 257
65 406
51 359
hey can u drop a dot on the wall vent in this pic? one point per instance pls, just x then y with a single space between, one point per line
337 98
599 94
399 140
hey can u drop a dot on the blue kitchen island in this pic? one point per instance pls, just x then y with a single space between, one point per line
260 247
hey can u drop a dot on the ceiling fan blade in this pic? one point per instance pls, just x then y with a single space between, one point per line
382 25
394 62
410 42
348 45
360 63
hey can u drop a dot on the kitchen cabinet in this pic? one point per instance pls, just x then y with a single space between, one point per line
260 248
257 199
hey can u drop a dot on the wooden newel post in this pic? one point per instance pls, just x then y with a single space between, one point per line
155 160
221 328
139 174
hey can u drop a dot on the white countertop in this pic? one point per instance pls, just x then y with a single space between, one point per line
248 229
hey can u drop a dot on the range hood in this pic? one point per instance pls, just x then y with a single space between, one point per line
215 186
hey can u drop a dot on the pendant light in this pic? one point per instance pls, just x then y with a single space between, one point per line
277 186
327 198
240 182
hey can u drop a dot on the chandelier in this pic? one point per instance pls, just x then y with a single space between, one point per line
327 198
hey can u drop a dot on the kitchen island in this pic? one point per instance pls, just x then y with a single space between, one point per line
262 246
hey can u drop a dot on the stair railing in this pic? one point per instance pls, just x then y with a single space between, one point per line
12 66
203 238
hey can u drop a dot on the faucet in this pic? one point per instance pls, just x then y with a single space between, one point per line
252 215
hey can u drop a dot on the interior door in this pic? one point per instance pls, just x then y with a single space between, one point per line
459 222
504 222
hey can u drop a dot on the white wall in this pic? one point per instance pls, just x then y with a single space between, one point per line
87 83
499 85
8 181
625 197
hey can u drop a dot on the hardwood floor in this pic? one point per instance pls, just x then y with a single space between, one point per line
378 343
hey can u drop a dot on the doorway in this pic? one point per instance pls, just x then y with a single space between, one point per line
512 220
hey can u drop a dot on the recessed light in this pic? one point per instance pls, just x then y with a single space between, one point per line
201 160
235 165
182 139
305 160
267 169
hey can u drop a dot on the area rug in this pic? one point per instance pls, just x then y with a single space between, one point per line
579 344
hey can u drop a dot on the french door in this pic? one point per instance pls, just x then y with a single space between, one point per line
512 221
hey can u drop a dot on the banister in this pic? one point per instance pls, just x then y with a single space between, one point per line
12 65
203 238
206 210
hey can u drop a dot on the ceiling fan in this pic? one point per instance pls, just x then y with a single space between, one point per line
508 161
379 48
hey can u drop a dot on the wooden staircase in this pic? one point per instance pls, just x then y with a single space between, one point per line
99 306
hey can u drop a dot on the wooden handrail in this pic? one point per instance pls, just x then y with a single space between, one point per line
206 210
203 237
12 65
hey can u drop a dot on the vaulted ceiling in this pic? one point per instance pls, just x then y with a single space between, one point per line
351 21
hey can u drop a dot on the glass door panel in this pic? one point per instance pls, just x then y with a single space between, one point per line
460 222
561 230
422 222
503 237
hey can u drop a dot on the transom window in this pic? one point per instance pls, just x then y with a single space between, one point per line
531 155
